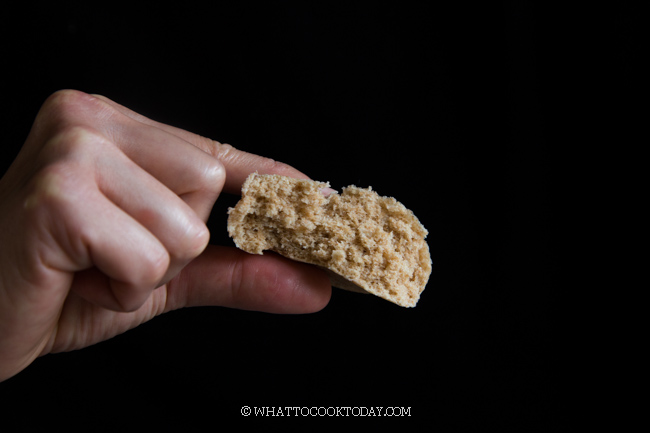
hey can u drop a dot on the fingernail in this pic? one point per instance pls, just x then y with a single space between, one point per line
327 191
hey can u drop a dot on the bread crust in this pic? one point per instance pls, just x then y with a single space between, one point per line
366 242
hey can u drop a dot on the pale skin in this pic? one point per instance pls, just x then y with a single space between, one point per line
102 218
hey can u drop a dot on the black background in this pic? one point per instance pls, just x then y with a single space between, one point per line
449 108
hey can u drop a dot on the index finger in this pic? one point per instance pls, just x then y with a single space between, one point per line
238 163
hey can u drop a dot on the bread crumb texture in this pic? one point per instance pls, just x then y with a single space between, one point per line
368 243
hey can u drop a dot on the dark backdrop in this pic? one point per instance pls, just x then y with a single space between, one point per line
447 108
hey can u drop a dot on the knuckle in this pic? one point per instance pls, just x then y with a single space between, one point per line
68 108
61 176
65 106
212 147
52 186
71 141
229 155
62 99
219 150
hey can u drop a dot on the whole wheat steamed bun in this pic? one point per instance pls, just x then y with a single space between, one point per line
367 243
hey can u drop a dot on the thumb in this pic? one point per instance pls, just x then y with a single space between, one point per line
229 277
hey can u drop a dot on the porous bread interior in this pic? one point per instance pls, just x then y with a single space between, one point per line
374 242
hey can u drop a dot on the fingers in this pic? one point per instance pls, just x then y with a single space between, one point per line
103 212
263 282
157 182
163 150
238 164
156 208
78 228
225 276
105 205
191 173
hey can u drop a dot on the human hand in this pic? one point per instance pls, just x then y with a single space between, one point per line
103 227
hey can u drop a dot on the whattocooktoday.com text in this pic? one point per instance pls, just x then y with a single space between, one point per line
262 411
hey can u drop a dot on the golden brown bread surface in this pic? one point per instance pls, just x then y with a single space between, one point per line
367 243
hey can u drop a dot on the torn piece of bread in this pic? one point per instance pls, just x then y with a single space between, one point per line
368 243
